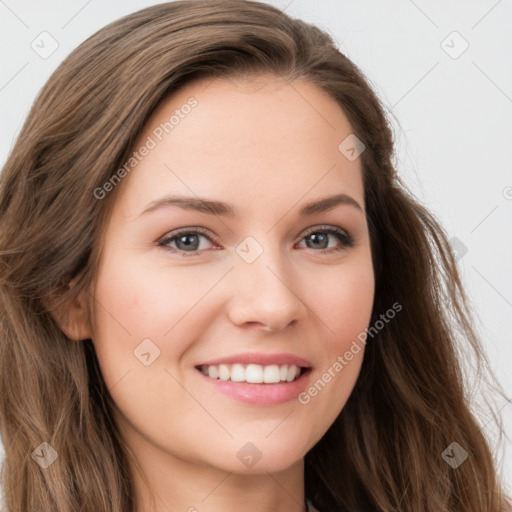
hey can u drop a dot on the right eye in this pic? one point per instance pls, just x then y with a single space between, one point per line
187 241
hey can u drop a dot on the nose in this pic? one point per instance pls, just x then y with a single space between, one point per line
262 293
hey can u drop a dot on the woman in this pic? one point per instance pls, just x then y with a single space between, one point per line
218 294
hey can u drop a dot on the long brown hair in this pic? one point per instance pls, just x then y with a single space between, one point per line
384 450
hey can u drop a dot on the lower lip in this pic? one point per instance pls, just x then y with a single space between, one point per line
260 394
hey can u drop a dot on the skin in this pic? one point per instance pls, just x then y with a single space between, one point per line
267 147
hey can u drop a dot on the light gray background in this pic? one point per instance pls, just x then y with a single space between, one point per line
453 115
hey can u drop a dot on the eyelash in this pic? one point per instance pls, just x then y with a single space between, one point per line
346 240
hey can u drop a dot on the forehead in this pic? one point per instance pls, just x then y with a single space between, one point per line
262 139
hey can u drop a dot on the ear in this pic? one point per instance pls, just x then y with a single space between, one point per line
72 315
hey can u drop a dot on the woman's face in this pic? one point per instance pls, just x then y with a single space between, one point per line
261 278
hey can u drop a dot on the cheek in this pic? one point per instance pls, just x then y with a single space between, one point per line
137 313
345 305
135 303
345 308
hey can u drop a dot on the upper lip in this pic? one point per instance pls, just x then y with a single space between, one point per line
261 359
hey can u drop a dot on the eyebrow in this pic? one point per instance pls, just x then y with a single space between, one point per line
225 209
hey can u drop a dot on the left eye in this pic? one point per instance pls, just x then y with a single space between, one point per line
320 236
188 241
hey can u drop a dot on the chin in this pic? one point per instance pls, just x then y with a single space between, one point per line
254 458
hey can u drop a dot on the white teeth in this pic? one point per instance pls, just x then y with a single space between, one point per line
223 372
292 373
271 374
253 373
237 373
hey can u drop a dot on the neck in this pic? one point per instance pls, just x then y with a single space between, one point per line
172 484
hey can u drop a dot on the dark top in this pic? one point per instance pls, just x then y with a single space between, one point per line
311 508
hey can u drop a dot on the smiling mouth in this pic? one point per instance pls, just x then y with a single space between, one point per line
253 373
